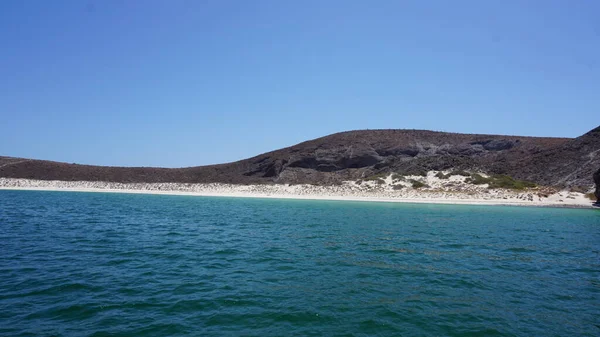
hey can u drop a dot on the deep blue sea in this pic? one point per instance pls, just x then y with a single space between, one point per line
100 264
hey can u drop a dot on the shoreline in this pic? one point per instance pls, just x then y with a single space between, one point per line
302 192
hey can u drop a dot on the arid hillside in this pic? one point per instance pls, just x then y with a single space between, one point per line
352 155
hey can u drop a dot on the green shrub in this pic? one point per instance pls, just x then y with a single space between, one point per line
504 181
417 184
591 196
459 173
478 179
398 187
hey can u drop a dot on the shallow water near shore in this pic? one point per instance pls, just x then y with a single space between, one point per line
101 264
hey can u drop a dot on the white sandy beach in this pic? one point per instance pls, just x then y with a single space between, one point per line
449 191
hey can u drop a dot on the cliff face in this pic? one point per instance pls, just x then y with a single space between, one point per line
357 154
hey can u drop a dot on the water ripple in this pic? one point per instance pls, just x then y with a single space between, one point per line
77 264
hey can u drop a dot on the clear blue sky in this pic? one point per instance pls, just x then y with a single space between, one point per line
183 83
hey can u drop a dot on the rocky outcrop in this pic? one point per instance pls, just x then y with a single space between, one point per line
569 165
597 182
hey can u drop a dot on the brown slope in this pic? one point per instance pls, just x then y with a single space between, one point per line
325 160
49 170
355 154
570 165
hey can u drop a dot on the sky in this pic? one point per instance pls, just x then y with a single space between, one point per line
185 83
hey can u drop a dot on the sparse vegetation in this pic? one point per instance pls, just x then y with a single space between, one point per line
499 181
417 184
441 175
478 179
414 172
378 176
591 196
398 176
504 181
460 173
398 187
579 189
421 173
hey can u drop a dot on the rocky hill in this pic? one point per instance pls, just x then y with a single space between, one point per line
354 155
571 164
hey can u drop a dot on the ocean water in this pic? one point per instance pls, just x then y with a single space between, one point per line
99 264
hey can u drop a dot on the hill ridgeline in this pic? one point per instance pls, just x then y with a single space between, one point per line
355 155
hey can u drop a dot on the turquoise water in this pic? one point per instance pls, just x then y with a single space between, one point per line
96 264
